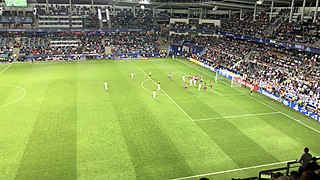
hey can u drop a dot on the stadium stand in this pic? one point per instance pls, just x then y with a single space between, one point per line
292 74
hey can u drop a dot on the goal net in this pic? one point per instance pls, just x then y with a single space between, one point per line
219 77
236 81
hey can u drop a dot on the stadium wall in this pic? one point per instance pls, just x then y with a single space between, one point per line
296 107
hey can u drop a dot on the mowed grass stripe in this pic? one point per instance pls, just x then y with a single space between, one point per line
152 153
200 152
114 144
236 144
102 151
281 145
17 120
193 144
52 147
303 136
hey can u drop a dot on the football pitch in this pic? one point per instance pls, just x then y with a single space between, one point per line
57 121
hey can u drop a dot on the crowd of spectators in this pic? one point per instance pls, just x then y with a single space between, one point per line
278 28
143 18
185 26
84 16
304 33
78 44
248 25
290 74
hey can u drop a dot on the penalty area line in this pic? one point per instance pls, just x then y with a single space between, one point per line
5 69
168 96
243 115
232 170
148 89
298 121
217 92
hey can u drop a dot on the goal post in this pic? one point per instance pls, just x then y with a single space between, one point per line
236 81
219 77
227 76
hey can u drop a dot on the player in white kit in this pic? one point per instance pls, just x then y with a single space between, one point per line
154 94
105 85
199 86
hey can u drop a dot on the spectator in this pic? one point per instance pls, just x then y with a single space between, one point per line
313 165
304 160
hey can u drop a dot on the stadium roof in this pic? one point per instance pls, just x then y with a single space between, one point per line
222 4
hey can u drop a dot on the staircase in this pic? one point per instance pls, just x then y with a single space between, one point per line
163 40
276 24
246 58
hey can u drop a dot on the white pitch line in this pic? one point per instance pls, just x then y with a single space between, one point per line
24 94
258 101
168 96
217 92
5 69
232 170
148 89
233 94
169 67
243 115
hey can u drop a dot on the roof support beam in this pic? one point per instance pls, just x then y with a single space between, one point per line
271 10
255 11
303 8
291 11
316 11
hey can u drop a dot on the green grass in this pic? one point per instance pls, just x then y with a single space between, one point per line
58 122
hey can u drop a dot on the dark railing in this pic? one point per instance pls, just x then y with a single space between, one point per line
290 165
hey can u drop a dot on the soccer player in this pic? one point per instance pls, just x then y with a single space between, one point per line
185 86
183 78
105 85
191 81
251 90
199 86
169 75
211 83
132 75
201 78
154 94
205 86
150 74
159 88
195 80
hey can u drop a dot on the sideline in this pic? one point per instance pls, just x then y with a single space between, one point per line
232 170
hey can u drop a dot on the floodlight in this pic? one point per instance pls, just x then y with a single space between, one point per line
260 2
215 8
